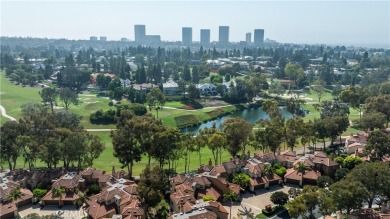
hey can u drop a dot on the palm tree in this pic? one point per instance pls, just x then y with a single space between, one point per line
231 196
14 195
82 198
301 168
56 192
246 212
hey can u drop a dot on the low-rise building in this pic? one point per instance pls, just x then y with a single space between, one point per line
8 207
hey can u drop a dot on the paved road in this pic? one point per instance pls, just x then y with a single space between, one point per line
4 113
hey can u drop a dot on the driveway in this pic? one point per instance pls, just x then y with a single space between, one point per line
254 203
66 212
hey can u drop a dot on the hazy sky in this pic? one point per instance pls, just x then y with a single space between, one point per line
333 22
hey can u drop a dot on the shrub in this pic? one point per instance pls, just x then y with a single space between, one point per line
207 198
324 181
103 117
138 109
39 193
94 189
281 171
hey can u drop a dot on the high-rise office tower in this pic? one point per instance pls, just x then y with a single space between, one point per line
139 33
186 35
223 34
205 36
248 38
259 36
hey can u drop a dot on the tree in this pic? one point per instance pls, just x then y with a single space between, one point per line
236 131
324 181
355 97
371 175
49 95
50 153
94 147
380 104
276 88
279 198
186 73
293 131
195 75
310 198
341 174
15 194
56 192
82 198
319 89
232 197
68 97
103 81
351 161
348 195
153 182
372 121
241 179
378 144
126 147
301 167
29 148
272 109
193 92
216 143
155 99
10 152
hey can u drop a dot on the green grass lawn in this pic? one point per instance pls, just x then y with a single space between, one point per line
327 96
13 96
175 104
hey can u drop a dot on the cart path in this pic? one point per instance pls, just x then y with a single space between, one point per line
4 113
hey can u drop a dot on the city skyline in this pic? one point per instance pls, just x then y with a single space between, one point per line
317 22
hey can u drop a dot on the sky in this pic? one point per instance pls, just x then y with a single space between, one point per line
312 22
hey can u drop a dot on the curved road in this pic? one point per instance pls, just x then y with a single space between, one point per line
4 113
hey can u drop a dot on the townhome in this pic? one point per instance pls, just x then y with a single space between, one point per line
117 198
8 208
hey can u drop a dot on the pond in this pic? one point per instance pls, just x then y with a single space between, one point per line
250 115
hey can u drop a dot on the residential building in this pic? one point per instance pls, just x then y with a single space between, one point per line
8 208
223 35
139 33
170 88
93 38
92 77
207 89
248 38
186 35
103 38
118 198
204 37
124 39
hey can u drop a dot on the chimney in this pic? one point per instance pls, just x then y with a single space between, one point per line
113 170
210 162
356 152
